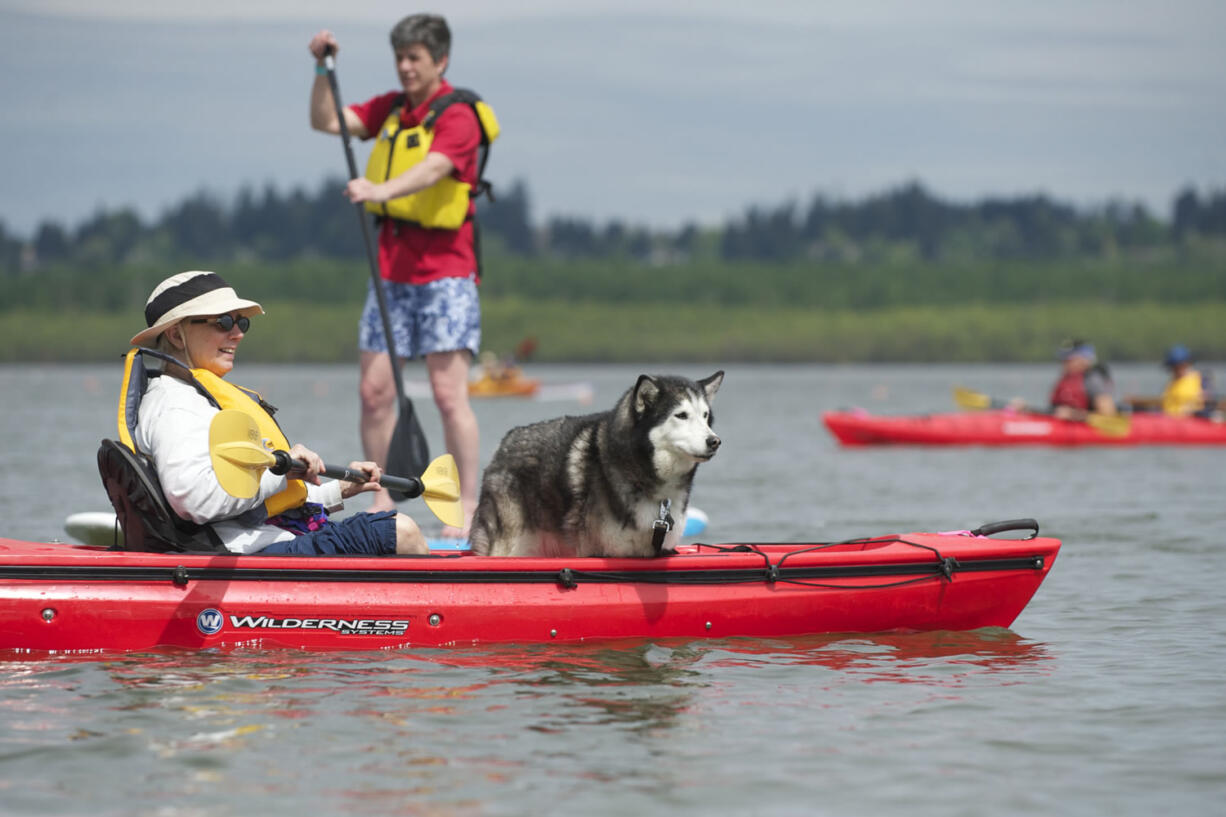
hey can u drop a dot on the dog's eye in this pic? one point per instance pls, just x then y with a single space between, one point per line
682 415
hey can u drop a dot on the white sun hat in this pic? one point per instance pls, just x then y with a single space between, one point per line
191 294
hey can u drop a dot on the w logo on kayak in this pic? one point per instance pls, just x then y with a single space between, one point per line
209 621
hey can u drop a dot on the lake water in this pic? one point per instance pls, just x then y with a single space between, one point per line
1105 697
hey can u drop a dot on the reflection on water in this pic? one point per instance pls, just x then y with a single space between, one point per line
634 685
454 731
907 658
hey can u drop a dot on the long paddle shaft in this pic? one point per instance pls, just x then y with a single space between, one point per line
408 450
409 486
239 458
1111 425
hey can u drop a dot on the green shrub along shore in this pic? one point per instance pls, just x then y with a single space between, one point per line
601 332
595 310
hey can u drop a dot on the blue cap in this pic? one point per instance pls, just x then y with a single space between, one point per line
1177 354
1079 349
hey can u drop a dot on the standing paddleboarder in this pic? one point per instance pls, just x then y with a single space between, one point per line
423 173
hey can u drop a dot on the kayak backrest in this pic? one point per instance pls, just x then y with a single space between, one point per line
145 516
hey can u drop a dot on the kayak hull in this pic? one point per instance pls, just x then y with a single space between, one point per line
859 428
57 598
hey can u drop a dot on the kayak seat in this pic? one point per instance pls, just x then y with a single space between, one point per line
145 516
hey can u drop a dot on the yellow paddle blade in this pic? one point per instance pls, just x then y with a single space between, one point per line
441 490
968 399
1113 425
238 458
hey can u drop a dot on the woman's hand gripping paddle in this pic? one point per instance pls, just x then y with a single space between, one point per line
408 451
1109 424
239 460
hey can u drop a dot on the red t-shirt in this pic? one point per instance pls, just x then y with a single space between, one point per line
417 255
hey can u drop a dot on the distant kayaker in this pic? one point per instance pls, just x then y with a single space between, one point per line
1084 386
423 175
198 319
1185 392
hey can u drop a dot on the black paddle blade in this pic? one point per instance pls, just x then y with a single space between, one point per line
408 453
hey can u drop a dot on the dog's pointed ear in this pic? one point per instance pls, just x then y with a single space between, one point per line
710 385
645 393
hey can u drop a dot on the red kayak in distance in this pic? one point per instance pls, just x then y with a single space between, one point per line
1002 427
60 598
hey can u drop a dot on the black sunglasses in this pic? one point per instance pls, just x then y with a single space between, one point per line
227 322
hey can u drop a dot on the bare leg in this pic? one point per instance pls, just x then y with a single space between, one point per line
449 381
409 538
377 390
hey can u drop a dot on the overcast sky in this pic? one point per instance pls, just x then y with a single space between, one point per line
655 112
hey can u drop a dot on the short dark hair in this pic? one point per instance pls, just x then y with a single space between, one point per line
428 29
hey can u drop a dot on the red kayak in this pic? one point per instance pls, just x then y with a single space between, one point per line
57 598
1015 428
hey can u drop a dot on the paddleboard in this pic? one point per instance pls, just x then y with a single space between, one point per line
99 528
582 393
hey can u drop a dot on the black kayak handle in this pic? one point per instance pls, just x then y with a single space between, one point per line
990 528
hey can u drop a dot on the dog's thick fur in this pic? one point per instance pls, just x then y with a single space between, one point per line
593 485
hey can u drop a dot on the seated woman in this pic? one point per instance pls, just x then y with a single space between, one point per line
197 319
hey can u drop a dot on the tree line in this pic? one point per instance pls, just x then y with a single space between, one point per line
908 222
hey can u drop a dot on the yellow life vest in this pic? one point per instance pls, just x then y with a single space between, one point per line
397 148
218 392
1185 395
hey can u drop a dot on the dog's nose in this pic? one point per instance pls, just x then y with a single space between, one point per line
713 442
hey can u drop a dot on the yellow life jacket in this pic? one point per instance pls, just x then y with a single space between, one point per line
140 364
397 148
1185 395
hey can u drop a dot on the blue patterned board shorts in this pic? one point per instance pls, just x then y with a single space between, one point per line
363 534
441 316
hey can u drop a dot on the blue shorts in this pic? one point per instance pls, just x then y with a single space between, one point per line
441 316
363 534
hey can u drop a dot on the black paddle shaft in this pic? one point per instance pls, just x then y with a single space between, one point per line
409 486
408 450
371 256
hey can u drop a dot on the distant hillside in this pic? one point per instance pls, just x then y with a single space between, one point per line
897 277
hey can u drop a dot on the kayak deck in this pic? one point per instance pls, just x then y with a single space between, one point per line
69 598
102 528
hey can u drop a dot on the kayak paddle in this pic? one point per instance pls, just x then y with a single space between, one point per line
1144 403
408 451
239 460
1154 403
1113 425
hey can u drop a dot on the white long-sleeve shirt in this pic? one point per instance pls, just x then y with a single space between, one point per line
173 429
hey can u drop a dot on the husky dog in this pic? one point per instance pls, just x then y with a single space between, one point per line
606 484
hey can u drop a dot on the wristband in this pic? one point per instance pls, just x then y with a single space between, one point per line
321 70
